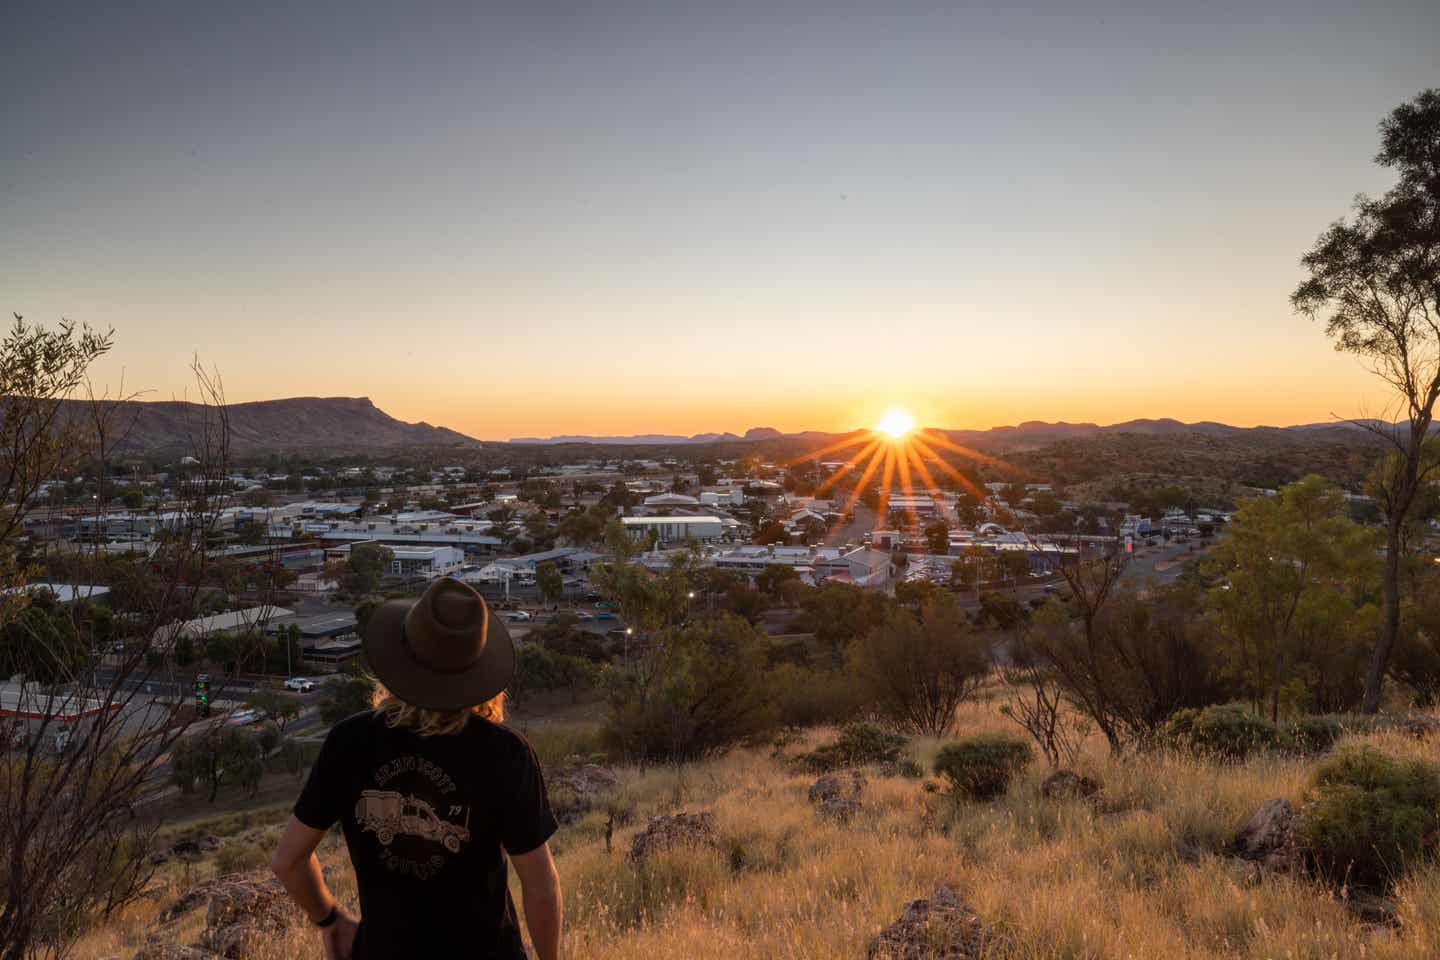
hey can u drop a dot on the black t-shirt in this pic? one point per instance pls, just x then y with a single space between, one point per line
427 821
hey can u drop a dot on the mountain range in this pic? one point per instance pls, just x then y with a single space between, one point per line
1030 434
339 425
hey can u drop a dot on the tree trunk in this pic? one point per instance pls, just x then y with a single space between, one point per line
1391 631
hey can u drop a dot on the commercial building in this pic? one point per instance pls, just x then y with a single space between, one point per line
676 529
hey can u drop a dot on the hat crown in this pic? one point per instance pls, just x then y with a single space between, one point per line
447 628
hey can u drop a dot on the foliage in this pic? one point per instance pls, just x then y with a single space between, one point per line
367 563
837 613
982 767
1227 732
219 755
1417 655
1131 662
857 744
275 706
919 670
548 581
1369 817
1293 608
806 697
1376 281
352 693
538 668
695 688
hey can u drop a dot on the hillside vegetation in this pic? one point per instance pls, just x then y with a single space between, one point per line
1147 872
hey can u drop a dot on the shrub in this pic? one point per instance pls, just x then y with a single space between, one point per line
241 857
1369 816
858 743
1228 732
1318 733
811 697
982 767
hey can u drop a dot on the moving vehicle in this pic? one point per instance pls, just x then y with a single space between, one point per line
389 814
517 615
300 684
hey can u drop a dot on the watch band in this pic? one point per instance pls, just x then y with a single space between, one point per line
329 919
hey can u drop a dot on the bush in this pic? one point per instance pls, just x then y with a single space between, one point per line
1318 733
858 743
1369 816
241 857
981 768
1228 732
811 697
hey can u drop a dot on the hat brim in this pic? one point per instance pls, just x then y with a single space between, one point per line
421 686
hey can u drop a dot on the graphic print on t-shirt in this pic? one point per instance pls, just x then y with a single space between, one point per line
413 816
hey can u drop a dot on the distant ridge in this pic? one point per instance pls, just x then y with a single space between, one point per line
309 424
1030 433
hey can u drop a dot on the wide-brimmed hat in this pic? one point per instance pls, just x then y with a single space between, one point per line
445 651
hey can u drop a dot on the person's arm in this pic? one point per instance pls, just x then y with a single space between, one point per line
540 893
298 868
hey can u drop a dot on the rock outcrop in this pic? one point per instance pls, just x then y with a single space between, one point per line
1069 785
836 795
674 830
1268 837
242 914
940 927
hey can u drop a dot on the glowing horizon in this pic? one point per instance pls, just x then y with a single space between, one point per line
713 219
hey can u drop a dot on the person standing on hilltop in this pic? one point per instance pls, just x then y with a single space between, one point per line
432 794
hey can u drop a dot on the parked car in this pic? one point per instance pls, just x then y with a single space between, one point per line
300 684
242 718
606 615
584 615
607 605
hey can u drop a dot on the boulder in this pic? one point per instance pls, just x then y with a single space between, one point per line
1268 837
590 779
199 895
575 792
940 927
674 830
844 785
1069 785
243 913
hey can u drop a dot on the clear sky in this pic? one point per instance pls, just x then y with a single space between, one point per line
533 218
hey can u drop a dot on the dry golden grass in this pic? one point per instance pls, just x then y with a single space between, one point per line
1056 881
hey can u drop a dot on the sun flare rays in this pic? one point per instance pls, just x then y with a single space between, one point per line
897 458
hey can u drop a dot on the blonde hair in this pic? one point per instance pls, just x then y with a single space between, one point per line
433 723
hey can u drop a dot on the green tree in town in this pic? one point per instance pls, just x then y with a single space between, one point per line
937 538
1376 281
1288 565
366 565
549 582
218 756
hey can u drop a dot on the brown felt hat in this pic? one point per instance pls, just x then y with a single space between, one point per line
445 651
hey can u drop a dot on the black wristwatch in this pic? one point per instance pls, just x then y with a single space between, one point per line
329 918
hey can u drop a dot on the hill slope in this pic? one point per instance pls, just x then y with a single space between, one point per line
312 424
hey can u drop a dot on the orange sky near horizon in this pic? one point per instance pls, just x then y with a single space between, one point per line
705 217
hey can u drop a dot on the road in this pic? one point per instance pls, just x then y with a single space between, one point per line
1160 565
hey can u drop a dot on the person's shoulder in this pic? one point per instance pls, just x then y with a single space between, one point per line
499 737
357 726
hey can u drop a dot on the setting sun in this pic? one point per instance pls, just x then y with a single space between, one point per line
896 422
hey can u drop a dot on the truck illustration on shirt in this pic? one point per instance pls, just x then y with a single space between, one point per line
390 814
